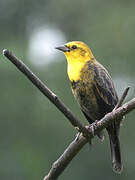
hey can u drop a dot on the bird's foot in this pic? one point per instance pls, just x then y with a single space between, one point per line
93 126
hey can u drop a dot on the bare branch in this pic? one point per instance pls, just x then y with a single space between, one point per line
63 161
46 91
59 166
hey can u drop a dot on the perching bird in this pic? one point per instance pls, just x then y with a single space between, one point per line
94 90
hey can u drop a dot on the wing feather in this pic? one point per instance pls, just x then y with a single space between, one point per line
104 88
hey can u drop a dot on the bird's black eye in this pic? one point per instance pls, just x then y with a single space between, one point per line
74 47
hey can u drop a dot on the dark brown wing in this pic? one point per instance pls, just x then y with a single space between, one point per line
107 99
104 89
99 95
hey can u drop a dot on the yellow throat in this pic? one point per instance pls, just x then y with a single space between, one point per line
77 56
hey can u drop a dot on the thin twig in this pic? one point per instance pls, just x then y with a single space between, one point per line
46 91
122 98
63 161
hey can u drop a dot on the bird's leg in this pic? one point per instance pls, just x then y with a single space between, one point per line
93 126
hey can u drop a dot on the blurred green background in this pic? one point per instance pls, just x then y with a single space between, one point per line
33 133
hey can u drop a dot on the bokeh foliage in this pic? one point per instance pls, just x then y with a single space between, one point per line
33 133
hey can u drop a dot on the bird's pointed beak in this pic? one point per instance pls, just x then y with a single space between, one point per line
63 48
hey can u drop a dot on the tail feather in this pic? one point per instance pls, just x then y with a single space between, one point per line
115 149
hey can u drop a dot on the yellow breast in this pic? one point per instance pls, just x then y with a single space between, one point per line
74 70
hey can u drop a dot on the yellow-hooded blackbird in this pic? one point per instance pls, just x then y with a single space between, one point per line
94 90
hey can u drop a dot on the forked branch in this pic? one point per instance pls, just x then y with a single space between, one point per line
62 162
59 166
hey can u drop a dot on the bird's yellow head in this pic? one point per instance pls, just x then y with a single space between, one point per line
77 54
76 51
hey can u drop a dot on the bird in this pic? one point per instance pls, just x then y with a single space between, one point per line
94 90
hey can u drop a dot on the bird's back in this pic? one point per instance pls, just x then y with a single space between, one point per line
95 91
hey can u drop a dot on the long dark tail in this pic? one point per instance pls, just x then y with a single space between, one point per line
113 132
